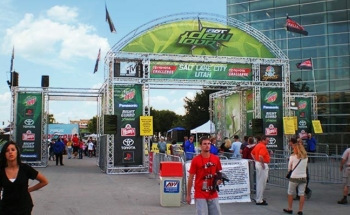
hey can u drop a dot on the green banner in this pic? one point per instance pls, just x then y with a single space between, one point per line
250 111
304 117
28 121
233 115
219 118
272 115
208 71
128 148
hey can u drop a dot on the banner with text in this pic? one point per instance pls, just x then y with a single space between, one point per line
128 143
233 115
304 117
146 125
238 188
208 71
28 121
272 115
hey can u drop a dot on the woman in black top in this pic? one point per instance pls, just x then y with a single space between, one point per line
14 176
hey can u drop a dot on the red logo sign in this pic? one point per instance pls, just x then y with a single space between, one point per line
128 131
167 70
28 136
271 131
238 72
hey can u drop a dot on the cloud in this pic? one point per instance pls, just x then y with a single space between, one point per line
62 13
190 95
47 41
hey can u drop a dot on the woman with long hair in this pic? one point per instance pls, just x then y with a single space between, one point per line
297 164
14 176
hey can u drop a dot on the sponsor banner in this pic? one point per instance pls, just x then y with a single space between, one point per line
28 121
128 143
171 186
207 71
146 125
249 111
272 115
238 188
303 117
219 118
270 73
62 130
233 115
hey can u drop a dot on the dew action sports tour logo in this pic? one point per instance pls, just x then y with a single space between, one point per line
271 97
30 101
207 37
302 104
128 94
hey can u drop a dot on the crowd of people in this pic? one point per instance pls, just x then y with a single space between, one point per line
74 147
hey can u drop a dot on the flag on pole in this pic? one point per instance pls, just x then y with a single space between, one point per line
97 60
12 57
109 20
307 64
293 26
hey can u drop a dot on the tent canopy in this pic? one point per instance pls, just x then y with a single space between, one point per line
207 127
176 129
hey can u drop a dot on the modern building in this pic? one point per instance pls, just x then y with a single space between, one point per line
327 44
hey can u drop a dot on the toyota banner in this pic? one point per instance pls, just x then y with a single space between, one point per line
128 148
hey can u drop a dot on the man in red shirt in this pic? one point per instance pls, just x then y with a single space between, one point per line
204 166
75 140
262 157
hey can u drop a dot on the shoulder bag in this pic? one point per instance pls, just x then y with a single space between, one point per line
290 171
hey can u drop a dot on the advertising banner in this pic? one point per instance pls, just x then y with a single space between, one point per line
238 188
233 115
250 111
128 143
304 117
28 121
270 73
219 118
288 125
62 130
146 125
317 126
272 115
207 71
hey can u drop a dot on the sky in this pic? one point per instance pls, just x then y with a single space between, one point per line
61 39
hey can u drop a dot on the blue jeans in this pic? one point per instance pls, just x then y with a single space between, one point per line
80 152
69 152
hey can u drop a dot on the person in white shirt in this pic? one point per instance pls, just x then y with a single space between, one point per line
236 147
90 148
345 168
297 163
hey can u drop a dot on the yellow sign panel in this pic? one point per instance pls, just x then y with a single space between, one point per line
146 125
288 125
317 126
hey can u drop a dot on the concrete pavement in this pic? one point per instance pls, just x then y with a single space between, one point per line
80 188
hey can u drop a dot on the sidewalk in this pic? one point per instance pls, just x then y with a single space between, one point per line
80 188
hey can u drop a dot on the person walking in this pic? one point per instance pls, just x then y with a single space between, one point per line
58 149
297 164
262 157
69 148
14 176
75 140
52 155
81 149
345 168
162 145
311 146
90 148
204 167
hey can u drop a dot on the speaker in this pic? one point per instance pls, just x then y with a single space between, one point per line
45 81
14 79
116 69
139 70
257 127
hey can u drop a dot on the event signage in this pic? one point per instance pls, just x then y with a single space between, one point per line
128 148
270 73
304 117
316 124
238 188
208 37
28 121
288 125
62 130
146 125
208 71
272 115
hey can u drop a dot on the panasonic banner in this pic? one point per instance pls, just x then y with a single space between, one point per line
128 142
28 121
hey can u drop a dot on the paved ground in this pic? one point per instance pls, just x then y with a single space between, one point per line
80 188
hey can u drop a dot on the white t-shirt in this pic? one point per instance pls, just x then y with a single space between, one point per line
91 146
346 156
300 170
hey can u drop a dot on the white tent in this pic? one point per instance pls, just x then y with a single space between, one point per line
207 128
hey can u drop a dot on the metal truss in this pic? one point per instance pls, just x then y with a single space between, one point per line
243 95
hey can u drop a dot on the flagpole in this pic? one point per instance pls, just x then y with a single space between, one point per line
313 75
287 39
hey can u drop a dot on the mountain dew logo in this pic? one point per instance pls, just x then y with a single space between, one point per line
128 94
209 37
30 101
271 97
302 104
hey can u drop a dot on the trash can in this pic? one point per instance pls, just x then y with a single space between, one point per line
171 174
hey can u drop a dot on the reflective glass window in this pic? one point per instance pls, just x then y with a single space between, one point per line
263 25
244 17
339 85
290 10
320 62
313 19
236 1
294 43
260 15
316 29
337 16
313 41
239 8
321 74
260 5
294 54
270 34
321 86
279 3
339 73
323 108
336 62
336 5
338 38
339 97
314 52
322 98
312 8
338 27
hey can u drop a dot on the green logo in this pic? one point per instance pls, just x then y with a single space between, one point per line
208 37
271 97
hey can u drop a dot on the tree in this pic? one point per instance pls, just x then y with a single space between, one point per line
163 120
197 109
92 125
299 87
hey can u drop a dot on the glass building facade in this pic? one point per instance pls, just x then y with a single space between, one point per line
327 22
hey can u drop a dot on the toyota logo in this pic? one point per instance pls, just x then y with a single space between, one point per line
128 142
272 141
29 122
302 122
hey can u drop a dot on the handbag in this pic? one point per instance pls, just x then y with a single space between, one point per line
290 171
